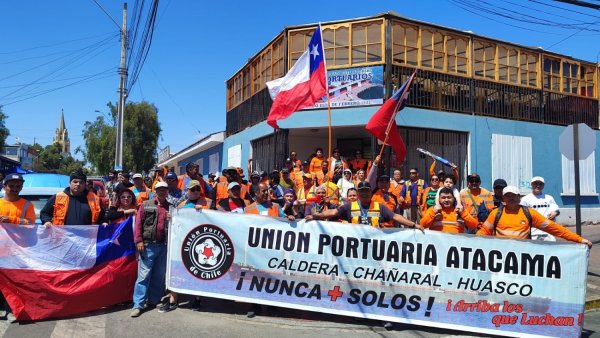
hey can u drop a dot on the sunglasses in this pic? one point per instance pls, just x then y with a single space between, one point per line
194 189
413 173
435 179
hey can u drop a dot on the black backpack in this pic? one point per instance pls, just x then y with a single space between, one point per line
525 211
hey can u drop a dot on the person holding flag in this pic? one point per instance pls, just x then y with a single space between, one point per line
303 85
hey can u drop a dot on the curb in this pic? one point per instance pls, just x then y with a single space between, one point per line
592 303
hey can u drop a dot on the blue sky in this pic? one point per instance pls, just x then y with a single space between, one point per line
197 46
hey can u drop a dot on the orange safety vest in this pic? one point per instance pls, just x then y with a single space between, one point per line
396 189
303 195
358 164
143 196
221 192
450 222
61 204
373 214
408 184
468 199
253 209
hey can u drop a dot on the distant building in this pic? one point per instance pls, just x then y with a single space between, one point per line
21 153
62 136
207 153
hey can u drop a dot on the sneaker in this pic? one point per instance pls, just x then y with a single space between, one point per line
10 317
167 306
196 304
135 313
254 310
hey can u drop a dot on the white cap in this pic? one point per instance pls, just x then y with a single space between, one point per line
161 185
137 176
231 185
510 189
538 178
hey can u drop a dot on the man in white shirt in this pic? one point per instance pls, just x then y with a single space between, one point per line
542 203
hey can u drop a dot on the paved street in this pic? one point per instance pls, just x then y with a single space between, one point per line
227 319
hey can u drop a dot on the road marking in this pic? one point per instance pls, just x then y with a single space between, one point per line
91 327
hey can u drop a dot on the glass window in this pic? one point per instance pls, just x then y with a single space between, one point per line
297 44
484 60
456 48
278 59
404 44
586 83
366 42
336 42
552 74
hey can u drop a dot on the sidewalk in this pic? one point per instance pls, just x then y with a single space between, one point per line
592 297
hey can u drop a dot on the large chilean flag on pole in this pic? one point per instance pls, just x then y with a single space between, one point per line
61 271
303 85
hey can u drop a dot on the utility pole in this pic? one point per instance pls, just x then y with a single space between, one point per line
122 93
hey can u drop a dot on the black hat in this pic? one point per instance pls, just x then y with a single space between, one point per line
383 178
500 183
363 186
77 175
473 177
212 175
305 163
12 177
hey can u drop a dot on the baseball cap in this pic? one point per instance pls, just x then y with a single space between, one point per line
363 186
137 176
305 163
473 177
288 159
161 185
212 175
13 177
170 175
500 183
255 174
510 189
538 178
383 178
285 171
193 183
232 185
348 171
307 175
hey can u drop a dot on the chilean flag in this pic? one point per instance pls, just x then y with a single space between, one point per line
383 123
303 85
62 271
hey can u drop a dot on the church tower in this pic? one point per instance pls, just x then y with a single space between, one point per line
62 135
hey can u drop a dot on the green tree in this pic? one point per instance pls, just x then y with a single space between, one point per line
141 130
52 159
4 132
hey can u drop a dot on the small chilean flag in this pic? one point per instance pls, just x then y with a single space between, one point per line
383 123
303 85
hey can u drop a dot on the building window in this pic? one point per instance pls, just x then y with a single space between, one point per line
432 49
456 48
366 42
508 65
570 77
246 83
484 60
586 83
278 59
587 175
266 68
256 76
512 160
297 45
336 42
405 45
528 68
552 74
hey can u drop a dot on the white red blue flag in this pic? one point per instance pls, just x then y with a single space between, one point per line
61 271
383 123
303 85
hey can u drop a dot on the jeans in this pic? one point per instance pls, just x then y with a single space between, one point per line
150 283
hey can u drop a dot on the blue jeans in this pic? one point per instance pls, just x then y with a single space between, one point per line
150 283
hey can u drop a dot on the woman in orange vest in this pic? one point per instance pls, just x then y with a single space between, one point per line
125 206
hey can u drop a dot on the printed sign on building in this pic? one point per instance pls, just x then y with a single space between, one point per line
354 87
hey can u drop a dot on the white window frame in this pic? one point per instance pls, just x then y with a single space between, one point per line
512 160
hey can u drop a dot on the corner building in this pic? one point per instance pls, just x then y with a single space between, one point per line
490 106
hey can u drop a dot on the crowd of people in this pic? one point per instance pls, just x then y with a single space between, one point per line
335 189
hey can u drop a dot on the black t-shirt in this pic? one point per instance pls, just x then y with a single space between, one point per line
385 214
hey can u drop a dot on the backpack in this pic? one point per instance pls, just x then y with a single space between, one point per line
482 212
525 211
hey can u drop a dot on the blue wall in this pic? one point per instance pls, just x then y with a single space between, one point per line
546 155
205 156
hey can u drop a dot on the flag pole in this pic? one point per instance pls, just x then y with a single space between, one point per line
328 100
